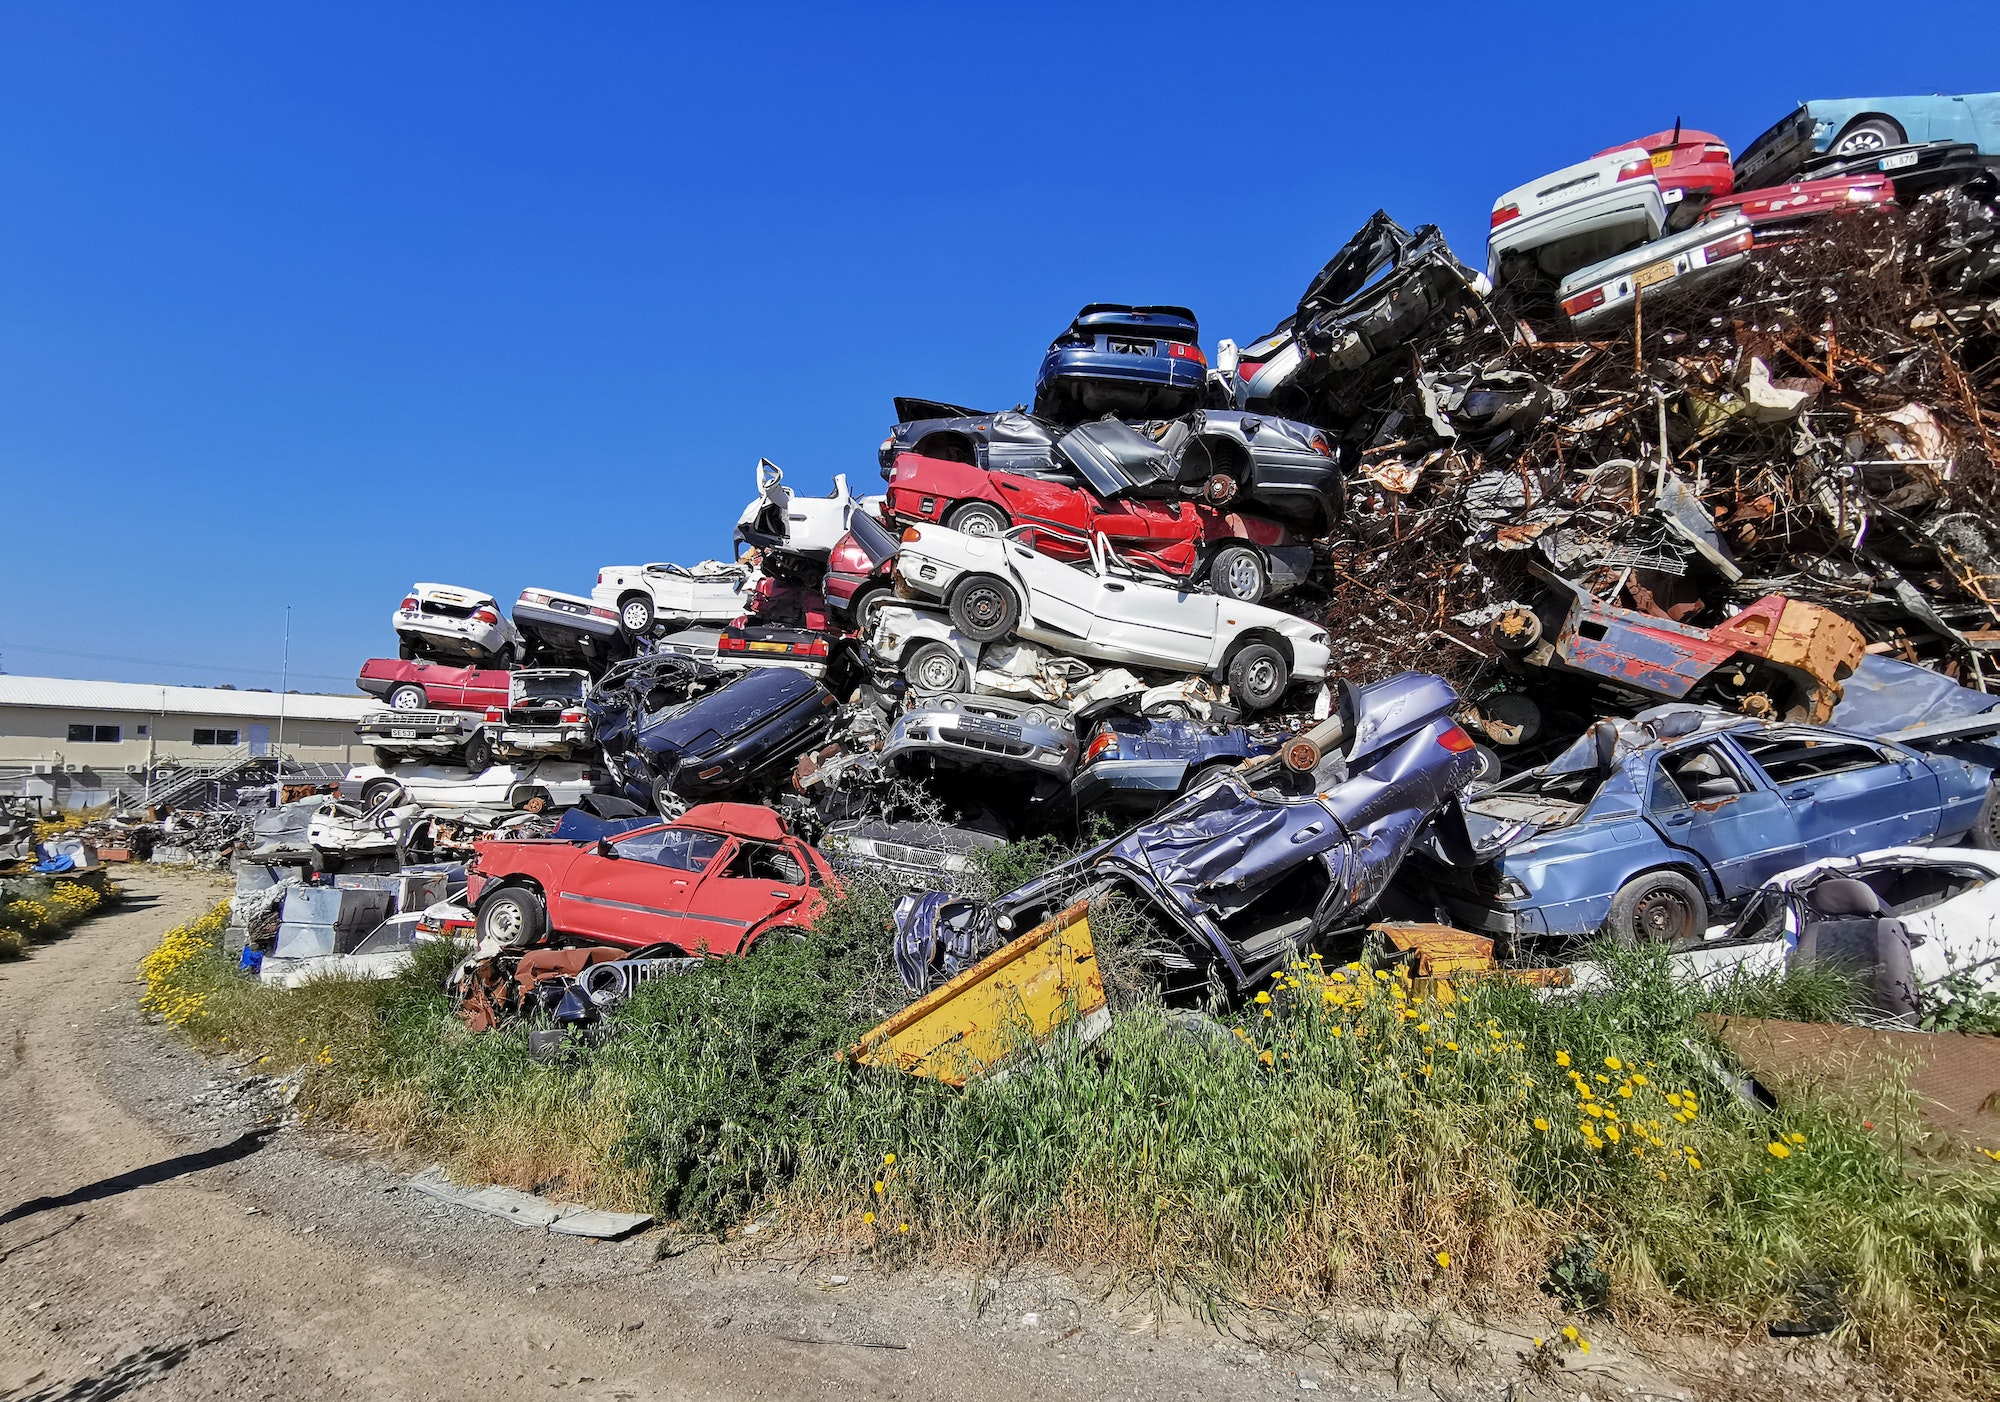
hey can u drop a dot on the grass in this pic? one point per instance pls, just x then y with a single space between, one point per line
1342 1140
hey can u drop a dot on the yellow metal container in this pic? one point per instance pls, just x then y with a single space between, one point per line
1022 993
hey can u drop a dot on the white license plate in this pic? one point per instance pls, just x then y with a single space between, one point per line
1898 161
402 735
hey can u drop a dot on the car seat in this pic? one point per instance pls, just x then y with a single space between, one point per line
1703 780
1847 927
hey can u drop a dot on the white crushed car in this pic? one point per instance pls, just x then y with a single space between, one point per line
996 585
782 519
1679 263
555 783
654 600
1579 215
441 620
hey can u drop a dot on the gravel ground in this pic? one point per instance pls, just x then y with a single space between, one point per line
172 1230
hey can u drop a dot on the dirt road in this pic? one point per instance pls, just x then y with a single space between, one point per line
156 1231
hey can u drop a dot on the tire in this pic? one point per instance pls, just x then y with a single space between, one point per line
1661 907
408 697
514 916
984 608
635 615
386 759
1258 676
980 518
478 752
1238 572
1986 827
935 667
376 790
1489 765
869 603
666 802
1871 134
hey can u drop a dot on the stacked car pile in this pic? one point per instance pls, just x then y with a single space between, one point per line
1707 433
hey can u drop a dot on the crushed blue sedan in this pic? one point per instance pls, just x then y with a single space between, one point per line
1134 764
1643 828
1866 126
1135 362
1254 863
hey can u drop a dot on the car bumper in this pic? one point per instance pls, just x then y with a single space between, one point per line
1637 201
541 740
973 742
1165 370
839 589
452 635
1618 294
554 618
1128 783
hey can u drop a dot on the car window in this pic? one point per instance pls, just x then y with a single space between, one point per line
765 861
1702 774
1788 759
682 849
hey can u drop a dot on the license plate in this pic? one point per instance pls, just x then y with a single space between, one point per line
568 608
1132 347
402 735
770 647
1898 161
981 726
1653 273
1662 159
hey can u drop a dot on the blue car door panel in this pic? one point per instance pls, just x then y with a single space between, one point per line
1708 800
1848 796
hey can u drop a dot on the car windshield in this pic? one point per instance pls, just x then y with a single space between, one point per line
553 687
683 849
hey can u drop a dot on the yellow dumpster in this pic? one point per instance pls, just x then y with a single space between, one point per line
1021 993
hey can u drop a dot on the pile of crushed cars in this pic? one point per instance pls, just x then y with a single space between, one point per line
1602 590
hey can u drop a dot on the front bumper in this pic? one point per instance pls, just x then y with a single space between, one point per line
978 742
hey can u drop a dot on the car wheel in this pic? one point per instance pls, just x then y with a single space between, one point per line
1661 907
635 615
980 518
984 608
666 802
376 792
1239 572
1489 765
1258 676
871 602
1986 827
478 752
935 667
514 917
1871 135
407 698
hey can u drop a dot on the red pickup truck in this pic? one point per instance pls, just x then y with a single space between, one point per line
715 880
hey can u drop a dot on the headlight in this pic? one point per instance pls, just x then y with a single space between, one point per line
1511 890
1033 718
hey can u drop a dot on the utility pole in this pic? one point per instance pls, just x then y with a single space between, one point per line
284 682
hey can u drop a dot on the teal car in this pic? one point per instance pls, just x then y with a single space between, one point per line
1855 126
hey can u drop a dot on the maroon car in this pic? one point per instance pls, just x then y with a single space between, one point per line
433 686
857 572
1783 212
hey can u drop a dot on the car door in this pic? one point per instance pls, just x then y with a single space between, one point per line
1060 596
1708 799
1151 624
640 896
1032 501
1847 796
749 883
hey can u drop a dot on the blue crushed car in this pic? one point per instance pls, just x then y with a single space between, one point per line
1135 362
1134 764
1258 862
1643 828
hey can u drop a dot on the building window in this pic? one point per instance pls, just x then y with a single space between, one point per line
216 737
142 732
93 734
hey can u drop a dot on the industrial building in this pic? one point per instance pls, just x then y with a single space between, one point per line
78 744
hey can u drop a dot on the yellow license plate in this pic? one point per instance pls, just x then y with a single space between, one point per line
1662 159
1653 273
770 647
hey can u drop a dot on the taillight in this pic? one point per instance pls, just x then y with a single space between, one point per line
408 605
816 648
1632 170
486 616
571 717
600 576
604 613
1505 212
1456 740
1321 446
1729 247
1248 369
1105 745
911 535
1869 194
495 715
1583 301
727 643
1183 350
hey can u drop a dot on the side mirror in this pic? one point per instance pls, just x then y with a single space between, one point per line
606 847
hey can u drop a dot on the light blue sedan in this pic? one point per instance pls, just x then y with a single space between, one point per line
1854 126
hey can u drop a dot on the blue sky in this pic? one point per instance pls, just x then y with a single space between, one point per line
299 304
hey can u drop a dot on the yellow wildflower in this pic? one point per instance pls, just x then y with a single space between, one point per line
1778 1151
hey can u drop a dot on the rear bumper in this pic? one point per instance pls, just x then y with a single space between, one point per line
544 618
1144 784
1089 364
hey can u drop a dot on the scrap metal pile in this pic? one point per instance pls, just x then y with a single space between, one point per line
1371 618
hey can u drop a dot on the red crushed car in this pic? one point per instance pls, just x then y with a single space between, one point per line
1693 168
433 686
719 878
1782 212
1246 557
